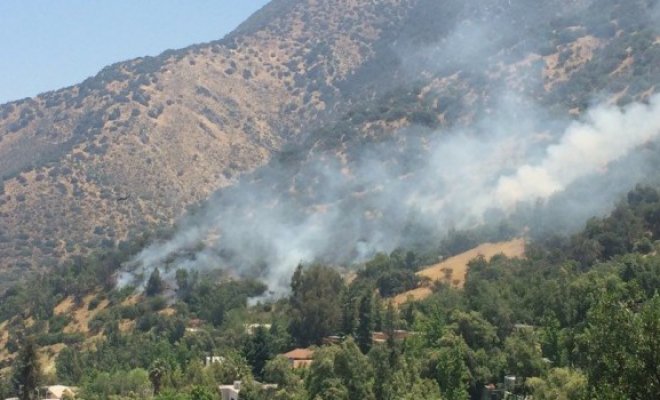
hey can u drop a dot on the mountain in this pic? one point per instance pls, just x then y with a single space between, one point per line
285 186
131 149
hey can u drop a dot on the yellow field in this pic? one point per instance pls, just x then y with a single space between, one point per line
453 270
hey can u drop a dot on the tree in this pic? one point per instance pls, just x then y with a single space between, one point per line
559 384
155 284
258 349
524 358
26 375
340 372
389 325
354 371
365 324
406 383
156 372
278 371
201 393
622 348
322 382
451 371
68 366
316 304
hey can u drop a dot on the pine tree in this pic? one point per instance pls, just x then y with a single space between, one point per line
366 324
156 373
155 284
26 376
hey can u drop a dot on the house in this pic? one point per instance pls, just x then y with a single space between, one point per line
213 360
58 392
250 329
329 340
300 358
231 392
381 337
194 325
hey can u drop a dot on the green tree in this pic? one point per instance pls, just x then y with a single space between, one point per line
316 304
26 376
366 323
279 371
407 383
257 350
389 324
201 393
340 372
321 381
559 384
68 366
524 357
451 370
233 367
157 371
155 284
622 348
354 371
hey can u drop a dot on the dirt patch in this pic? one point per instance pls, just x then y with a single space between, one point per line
167 312
64 306
412 295
581 51
47 356
81 315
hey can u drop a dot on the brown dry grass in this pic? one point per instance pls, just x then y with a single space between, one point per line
453 270
81 314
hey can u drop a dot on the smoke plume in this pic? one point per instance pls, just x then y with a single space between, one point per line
407 191
343 206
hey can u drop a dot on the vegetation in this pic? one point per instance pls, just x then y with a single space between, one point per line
577 319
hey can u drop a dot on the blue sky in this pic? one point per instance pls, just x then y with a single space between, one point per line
49 44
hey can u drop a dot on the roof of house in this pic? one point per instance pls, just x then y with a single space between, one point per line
299 354
58 391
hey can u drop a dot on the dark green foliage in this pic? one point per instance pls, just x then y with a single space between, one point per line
316 304
366 323
26 373
155 284
258 349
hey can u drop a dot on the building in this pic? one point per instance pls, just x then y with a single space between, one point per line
330 340
231 392
300 358
381 337
250 329
58 392
213 360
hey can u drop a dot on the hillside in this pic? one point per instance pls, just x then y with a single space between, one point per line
129 149
553 319
293 184
311 82
453 270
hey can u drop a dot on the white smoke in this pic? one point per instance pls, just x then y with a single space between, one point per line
419 184
347 213
587 147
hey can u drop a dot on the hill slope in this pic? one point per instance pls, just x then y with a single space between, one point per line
128 150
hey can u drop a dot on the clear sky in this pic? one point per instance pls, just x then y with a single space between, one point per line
49 44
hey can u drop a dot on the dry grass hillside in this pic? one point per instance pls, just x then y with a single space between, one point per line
90 166
452 271
78 317
131 148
